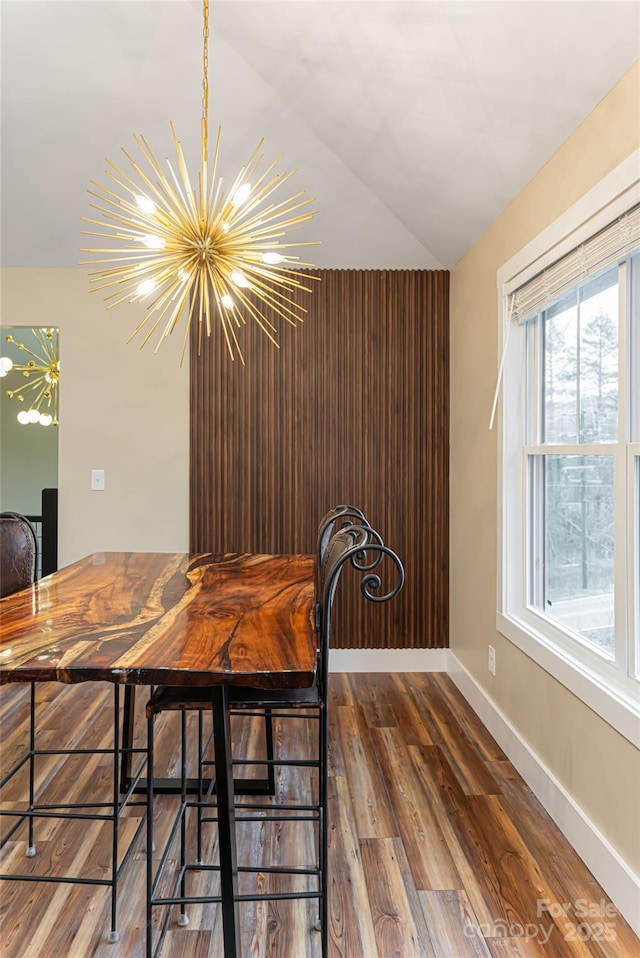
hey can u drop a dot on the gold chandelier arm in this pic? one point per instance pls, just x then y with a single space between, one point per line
187 330
259 318
212 202
23 349
227 327
171 321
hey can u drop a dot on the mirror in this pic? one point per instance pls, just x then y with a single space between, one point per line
29 368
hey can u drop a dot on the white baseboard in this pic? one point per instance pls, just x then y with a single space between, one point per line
388 660
620 883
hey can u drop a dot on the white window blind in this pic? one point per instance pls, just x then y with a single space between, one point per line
605 248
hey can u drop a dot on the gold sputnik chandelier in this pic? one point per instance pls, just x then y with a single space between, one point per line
184 246
41 375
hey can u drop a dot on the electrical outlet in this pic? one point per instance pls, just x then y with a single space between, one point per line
492 660
97 480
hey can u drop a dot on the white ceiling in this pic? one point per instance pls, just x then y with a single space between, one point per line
413 123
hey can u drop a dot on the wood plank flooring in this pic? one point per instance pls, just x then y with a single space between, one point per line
437 847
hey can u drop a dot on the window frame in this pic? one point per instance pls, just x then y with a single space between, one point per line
612 693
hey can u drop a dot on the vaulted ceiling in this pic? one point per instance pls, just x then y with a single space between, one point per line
414 124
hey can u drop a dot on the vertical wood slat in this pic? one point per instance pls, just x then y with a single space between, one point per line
354 407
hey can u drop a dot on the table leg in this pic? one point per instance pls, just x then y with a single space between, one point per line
226 824
127 736
171 786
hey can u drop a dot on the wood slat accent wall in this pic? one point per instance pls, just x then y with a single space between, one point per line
353 408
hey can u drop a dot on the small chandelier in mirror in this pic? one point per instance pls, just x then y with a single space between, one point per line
38 391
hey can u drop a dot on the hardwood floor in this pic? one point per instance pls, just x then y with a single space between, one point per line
437 847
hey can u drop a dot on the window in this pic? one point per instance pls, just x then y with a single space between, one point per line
572 364
570 465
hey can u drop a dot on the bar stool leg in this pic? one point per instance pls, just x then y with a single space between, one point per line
31 848
323 832
183 918
200 792
271 769
115 817
150 774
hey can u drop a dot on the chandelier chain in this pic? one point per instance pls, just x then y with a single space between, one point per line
205 77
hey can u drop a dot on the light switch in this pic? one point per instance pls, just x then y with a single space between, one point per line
97 480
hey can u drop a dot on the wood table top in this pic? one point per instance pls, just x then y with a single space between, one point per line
166 619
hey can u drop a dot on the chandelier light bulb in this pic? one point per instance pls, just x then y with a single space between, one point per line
6 365
226 300
239 279
146 205
33 415
23 417
241 194
45 419
146 286
154 242
272 259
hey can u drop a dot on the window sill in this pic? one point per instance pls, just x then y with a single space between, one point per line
618 706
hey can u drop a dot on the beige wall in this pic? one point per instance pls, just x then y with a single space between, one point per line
598 767
121 409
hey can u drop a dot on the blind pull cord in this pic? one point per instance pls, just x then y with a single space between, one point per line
502 361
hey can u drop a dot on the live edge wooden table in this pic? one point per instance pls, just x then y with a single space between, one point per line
171 619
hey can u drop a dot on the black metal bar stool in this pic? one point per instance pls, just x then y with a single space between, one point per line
18 561
363 548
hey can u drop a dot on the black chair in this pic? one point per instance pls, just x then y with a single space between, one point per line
344 515
341 517
363 549
18 563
